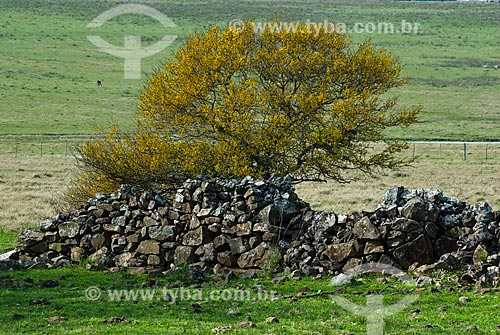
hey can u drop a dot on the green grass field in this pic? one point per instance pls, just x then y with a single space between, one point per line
49 68
48 98
30 307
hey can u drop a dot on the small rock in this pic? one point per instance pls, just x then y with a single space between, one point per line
472 329
271 319
229 276
195 308
463 300
16 317
442 309
279 280
341 279
234 312
48 283
295 274
246 324
39 302
220 330
116 319
381 280
55 319
424 281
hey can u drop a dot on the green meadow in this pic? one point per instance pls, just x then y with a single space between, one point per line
49 102
57 301
49 68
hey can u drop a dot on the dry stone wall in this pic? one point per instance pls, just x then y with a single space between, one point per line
255 224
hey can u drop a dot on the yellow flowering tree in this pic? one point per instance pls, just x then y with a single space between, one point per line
237 102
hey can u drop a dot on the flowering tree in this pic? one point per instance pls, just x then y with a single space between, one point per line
235 102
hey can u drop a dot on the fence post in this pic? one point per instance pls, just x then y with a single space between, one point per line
17 146
66 149
486 154
41 148
465 151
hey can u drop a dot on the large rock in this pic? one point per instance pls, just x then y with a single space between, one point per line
206 253
69 229
340 252
119 221
419 250
415 209
238 245
279 213
39 248
393 196
47 225
127 259
365 229
221 242
183 254
9 255
480 256
77 254
98 241
323 225
162 233
408 226
226 258
257 257
102 258
195 237
149 247
373 247
244 229
30 237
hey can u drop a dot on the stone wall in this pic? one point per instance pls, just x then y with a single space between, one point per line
254 224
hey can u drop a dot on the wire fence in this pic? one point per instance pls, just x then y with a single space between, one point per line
464 151
64 145
43 145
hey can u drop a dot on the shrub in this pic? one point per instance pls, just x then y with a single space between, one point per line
236 102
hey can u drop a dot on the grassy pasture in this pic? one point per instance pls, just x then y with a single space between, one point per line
29 306
38 180
48 67
48 71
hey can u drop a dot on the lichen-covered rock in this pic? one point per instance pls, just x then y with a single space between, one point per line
257 257
183 254
341 252
148 247
365 229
